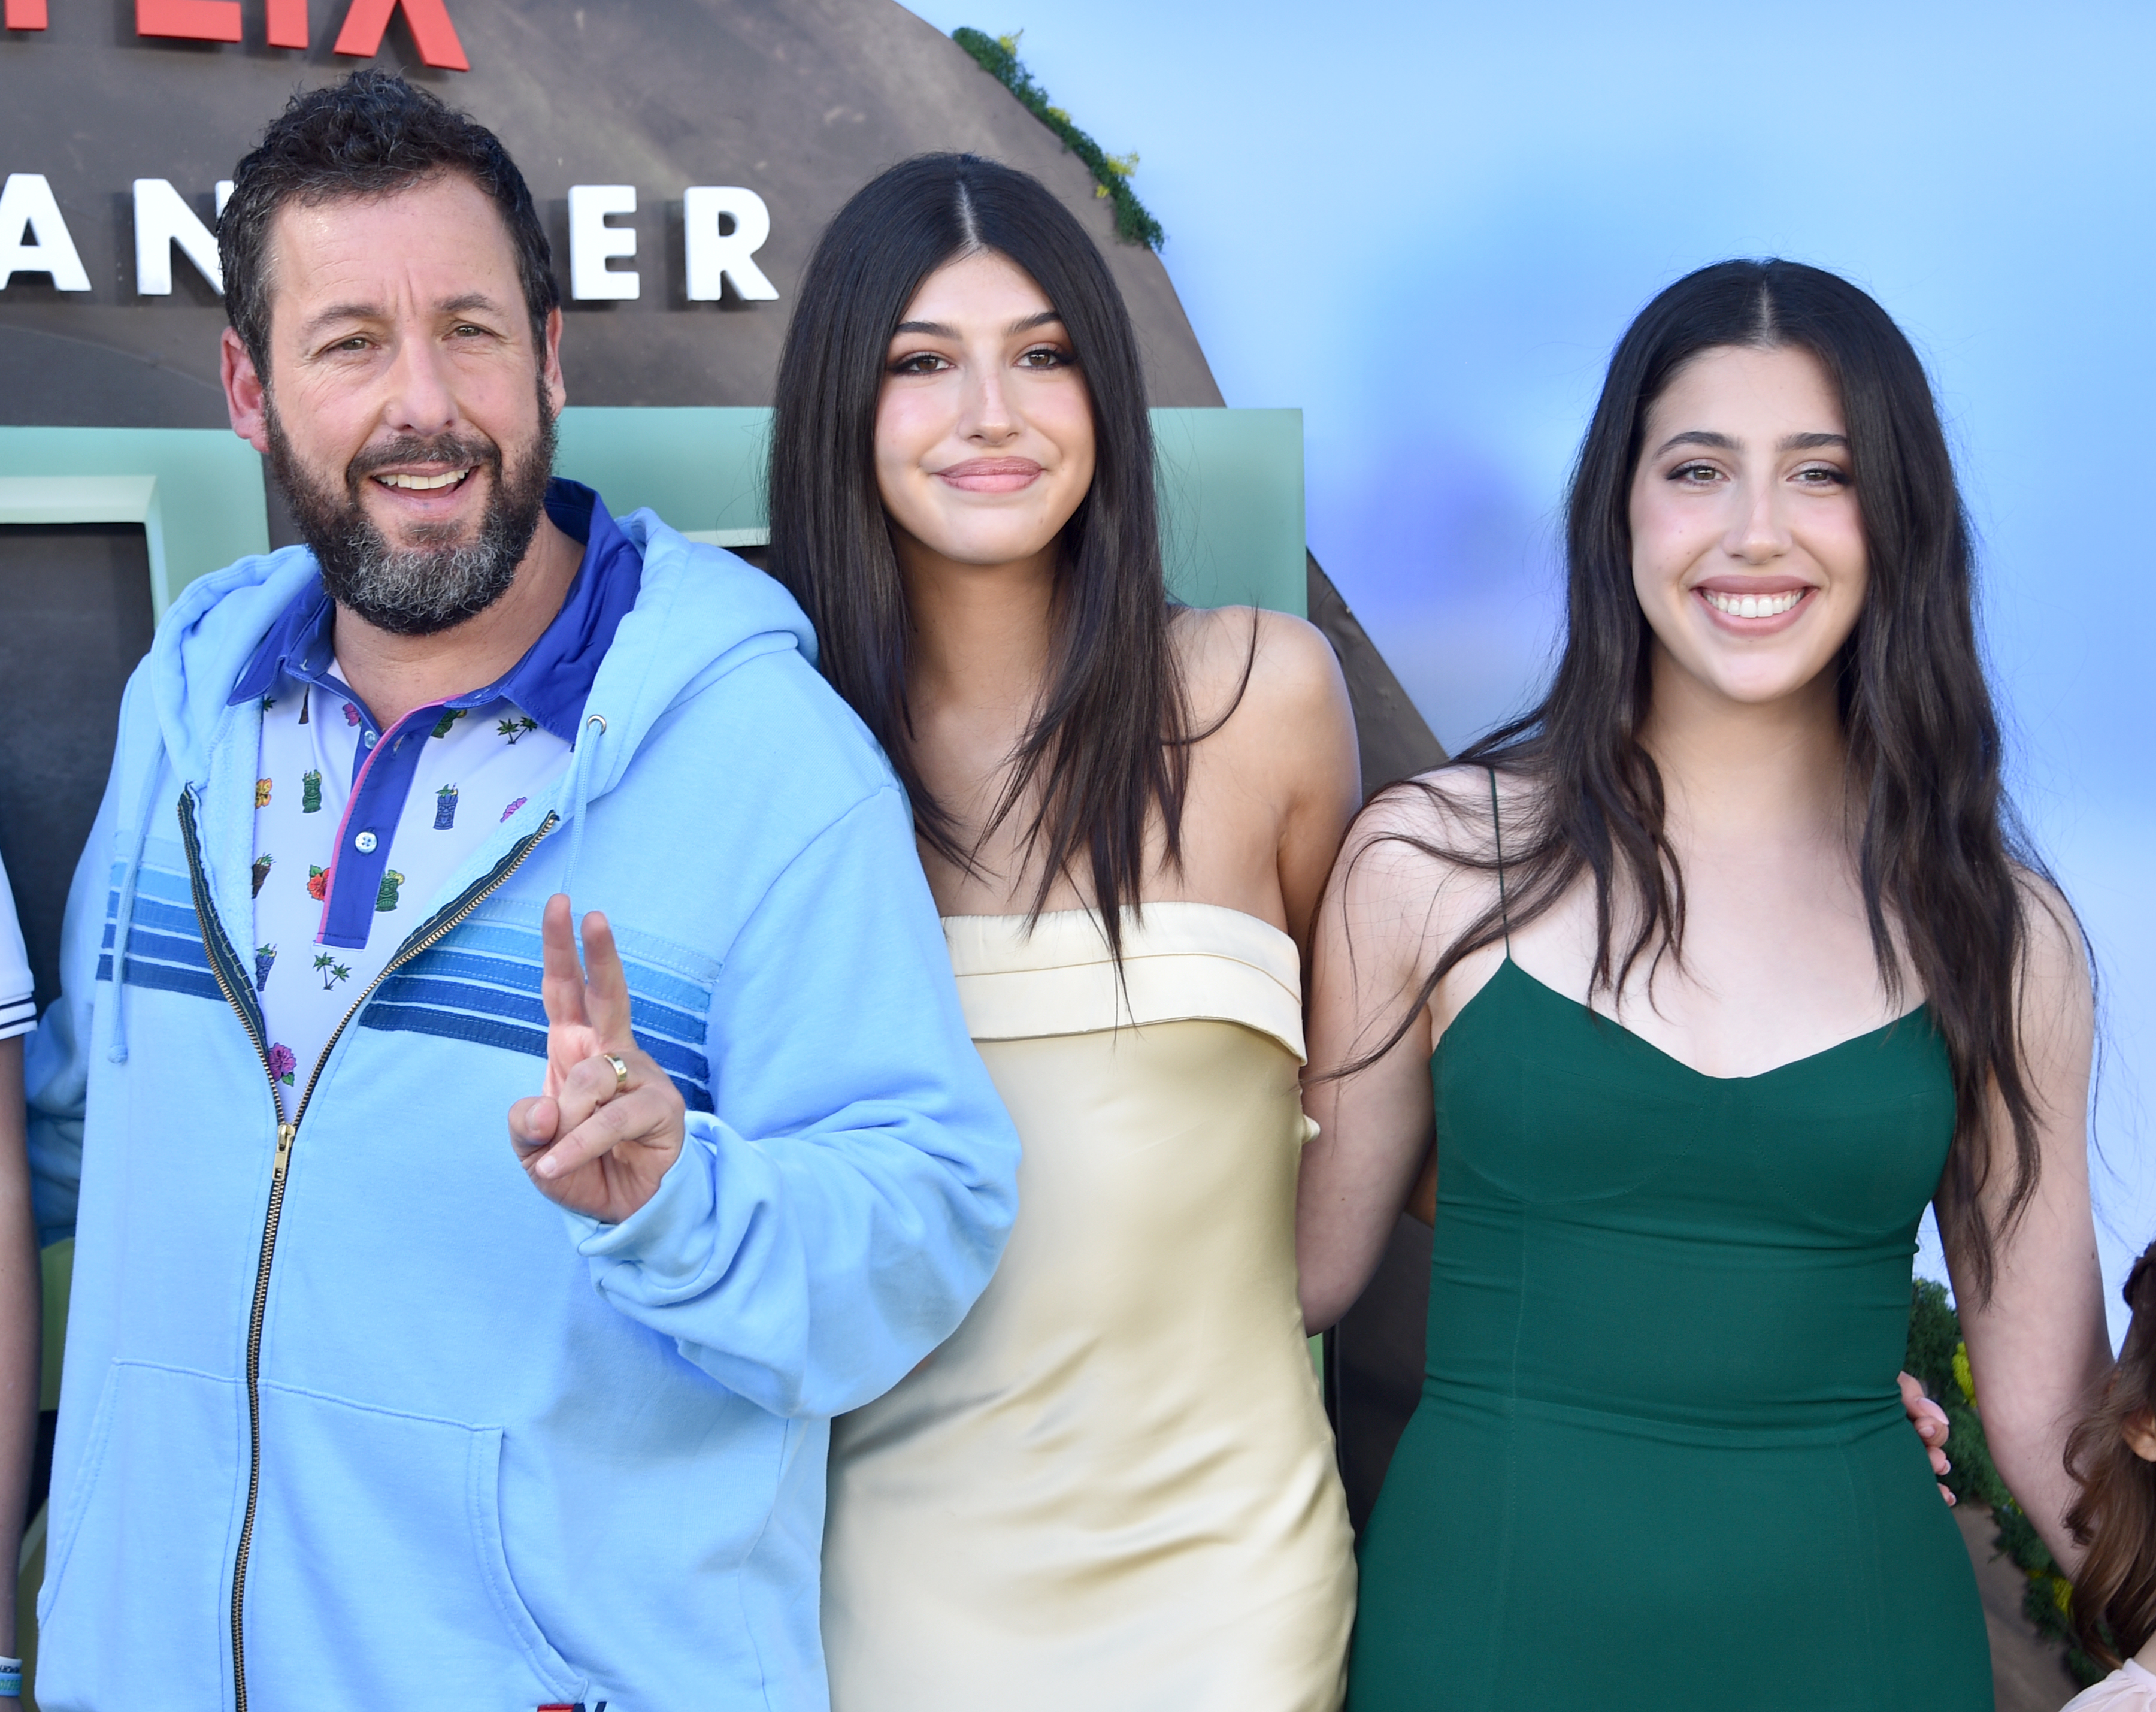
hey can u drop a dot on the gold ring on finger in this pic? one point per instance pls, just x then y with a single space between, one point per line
620 1070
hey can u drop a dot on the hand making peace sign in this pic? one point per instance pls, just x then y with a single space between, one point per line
610 1122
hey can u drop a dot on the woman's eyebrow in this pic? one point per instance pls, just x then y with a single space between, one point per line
1724 442
1699 437
937 330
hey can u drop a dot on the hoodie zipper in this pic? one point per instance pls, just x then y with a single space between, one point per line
239 994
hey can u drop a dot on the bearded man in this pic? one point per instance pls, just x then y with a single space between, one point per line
364 1406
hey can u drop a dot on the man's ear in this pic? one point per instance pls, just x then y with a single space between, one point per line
2138 1430
550 361
246 393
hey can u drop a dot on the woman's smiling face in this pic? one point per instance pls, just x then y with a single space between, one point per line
1747 544
984 427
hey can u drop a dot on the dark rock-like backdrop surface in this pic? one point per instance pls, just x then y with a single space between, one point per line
800 101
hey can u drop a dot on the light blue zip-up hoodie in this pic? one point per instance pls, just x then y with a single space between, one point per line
457 1448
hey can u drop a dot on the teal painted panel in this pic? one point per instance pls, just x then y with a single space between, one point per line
699 468
1231 506
1230 486
210 500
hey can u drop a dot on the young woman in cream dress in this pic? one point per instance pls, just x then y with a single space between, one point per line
1114 1486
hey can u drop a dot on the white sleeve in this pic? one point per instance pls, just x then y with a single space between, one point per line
2129 1689
19 1016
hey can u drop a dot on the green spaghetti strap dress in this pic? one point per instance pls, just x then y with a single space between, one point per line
1660 1461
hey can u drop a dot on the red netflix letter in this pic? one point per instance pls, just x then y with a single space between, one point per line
193 20
288 23
26 15
431 29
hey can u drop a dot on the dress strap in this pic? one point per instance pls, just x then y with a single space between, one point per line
1496 833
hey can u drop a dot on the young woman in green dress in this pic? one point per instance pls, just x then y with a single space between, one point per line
1700 981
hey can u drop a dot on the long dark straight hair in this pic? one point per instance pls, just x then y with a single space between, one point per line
2114 1513
1938 843
1108 746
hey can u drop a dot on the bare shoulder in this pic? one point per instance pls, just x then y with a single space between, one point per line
1418 872
1452 804
1272 663
2056 977
1430 831
2054 930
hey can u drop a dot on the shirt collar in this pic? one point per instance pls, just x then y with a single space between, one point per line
552 680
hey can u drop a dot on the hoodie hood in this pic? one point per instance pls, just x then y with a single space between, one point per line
205 642
699 611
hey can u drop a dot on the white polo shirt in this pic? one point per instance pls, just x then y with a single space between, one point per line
318 946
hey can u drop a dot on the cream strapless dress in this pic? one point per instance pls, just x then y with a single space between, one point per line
1113 1486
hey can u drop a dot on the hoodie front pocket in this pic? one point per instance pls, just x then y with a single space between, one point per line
378 1576
132 1612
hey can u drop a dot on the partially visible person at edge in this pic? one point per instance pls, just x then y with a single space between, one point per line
1114 1486
362 1406
18 1281
1710 973
2112 1457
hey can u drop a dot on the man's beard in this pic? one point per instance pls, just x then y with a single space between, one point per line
423 590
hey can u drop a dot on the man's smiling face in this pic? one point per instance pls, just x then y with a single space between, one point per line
409 408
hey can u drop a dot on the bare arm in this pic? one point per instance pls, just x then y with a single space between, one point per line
1312 726
1278 768
2038 1349
1387 913
18 1330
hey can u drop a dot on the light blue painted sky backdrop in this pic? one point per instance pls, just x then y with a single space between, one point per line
1426 224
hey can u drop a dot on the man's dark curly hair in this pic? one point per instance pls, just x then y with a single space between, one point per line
370 136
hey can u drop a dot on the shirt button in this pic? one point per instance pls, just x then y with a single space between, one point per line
365 843
368 739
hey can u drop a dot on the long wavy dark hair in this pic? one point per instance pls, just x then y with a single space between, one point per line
1938 844
2114 1515
1108 746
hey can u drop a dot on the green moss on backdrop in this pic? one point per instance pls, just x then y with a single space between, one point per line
998 56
